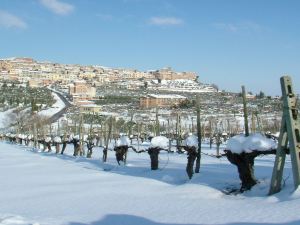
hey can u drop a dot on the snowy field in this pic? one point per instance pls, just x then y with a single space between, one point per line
44 188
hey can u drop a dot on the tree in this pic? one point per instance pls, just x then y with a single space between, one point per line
261 95
215 86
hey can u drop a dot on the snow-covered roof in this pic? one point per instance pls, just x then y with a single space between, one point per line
166 96
254 142
90 106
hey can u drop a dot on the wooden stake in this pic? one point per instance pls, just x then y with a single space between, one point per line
157 126
245 112
289 136
107 139
35 135
197 169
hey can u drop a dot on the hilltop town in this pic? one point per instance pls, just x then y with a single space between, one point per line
127 93
81 82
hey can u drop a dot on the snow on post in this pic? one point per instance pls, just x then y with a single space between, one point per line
242 151
159 142
254 142
192 141
123 141
121 149
191 147
57 141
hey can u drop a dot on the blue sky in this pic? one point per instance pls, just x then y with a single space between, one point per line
227 42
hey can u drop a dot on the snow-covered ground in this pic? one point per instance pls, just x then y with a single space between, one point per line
44 188
55 108
4 121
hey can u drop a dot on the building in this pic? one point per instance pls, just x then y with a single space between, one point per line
80 90
151 100
169 74
90 108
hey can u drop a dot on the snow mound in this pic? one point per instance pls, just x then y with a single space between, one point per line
123 141
13 220
192 141
57 139
48 139
160 142
29 136
21 136
255 142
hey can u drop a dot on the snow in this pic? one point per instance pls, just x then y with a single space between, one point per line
76 137
160 142
46 189
192 141
55 108
8 117
48 139
14 220
3 118
123 141
166 96
254 142
57 139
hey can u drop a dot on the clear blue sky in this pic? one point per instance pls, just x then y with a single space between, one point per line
227 42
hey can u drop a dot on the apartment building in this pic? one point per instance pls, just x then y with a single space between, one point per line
152 100
80 90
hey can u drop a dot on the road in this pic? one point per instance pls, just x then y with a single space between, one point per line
59 114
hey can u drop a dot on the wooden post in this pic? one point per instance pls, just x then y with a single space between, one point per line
130 128
35 138
177 131
289 136
258 122
80 147
168 129
107 139
157 126
253 125
193 130
245 111
138 136
197 169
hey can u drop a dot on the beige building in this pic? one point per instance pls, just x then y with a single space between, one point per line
90 108
169 74
151 100
81 88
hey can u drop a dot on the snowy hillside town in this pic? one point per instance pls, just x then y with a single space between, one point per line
143 112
